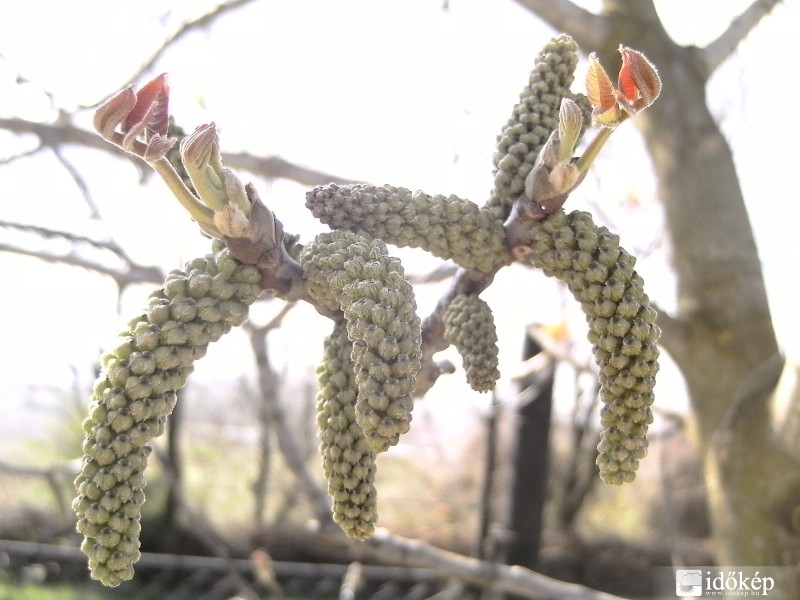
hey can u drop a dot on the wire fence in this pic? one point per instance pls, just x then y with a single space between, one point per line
182 577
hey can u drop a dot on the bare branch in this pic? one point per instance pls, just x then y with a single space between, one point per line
554 349
673 332
127 272
274 323
275 167
68 470
269 167
44 232
183 31
589 30
7 160
135 274
57 134
274 413
56 477
79 181
446 270
715 53
500 578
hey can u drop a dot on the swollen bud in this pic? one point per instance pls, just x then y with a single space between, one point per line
570 124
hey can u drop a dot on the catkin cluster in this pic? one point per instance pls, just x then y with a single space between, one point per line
469 326
600 274
347 462
353 273
446 226
135 394
534 117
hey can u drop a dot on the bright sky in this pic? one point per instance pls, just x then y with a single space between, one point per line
398 92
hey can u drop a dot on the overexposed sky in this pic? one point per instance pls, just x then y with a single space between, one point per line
399 92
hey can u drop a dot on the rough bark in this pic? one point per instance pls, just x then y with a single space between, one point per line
723 338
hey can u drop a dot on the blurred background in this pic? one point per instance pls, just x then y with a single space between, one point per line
411 94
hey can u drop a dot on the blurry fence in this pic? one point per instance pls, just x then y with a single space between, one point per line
176 577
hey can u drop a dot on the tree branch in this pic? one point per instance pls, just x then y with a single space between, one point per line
269 167
79 181
129 272
589 30
183 31
54 135
497 577
273 412
275 167
715 53
7 160
673 332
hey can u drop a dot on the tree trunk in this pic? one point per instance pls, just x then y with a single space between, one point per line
723 338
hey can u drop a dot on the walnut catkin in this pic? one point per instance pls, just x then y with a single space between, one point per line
354 273
532 120
469 326
600 274
347 461
446 226
136 392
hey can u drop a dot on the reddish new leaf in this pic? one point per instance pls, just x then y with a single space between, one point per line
638 78
152 105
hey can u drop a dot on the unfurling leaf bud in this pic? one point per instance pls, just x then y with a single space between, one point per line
570 124
639 86
601 94
469 326
639 82
136 393
151 108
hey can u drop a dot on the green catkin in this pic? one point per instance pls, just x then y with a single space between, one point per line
469 326
534 117
136 392
347 462
353 273
446 226
600 274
